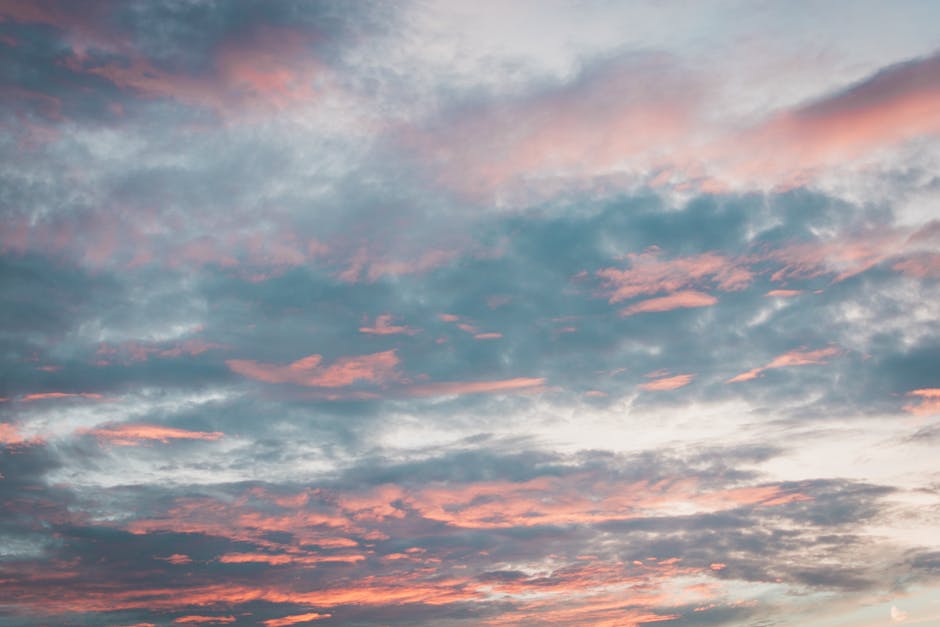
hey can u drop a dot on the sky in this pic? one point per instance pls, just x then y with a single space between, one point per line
451 313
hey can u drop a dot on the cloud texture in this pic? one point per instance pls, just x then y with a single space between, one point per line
545 313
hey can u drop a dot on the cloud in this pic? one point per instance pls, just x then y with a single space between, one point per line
135 434
928 402
628 107
376 368
797 357
668 133
891 106
294 619
458 388
649 274
679 300
897 615
920 266
363 283
384 326
10 436
41 396
665 383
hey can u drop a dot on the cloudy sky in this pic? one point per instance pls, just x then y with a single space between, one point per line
469 313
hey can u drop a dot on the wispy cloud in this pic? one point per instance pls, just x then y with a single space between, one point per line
134 434
797 357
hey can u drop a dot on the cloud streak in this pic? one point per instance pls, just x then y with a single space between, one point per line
797 357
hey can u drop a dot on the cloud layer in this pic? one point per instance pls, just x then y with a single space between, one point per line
427 314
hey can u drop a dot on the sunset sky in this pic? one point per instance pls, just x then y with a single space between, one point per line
469 313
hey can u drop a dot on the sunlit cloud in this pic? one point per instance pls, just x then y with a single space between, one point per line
798 357
391 314
926 402
679 300
660 383
308 371
134 434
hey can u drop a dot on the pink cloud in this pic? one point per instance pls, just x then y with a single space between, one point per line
456 388
134 434
10 436
280 559
267 68
177 559
294 619
928 402
82 26
56 395
196 619
783 293
649 274
926 265
679 300
667 383
134 351
843 256
487 336
292 530
377 368
789 359
369 266
630 109
646 120
894 105
384 326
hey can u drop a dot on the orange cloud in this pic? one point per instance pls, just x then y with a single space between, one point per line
783 293
557 501
374 368
281 559
204 620
134 434
588 590
294 619
928 402
679 300
792 358
667 383
487 336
